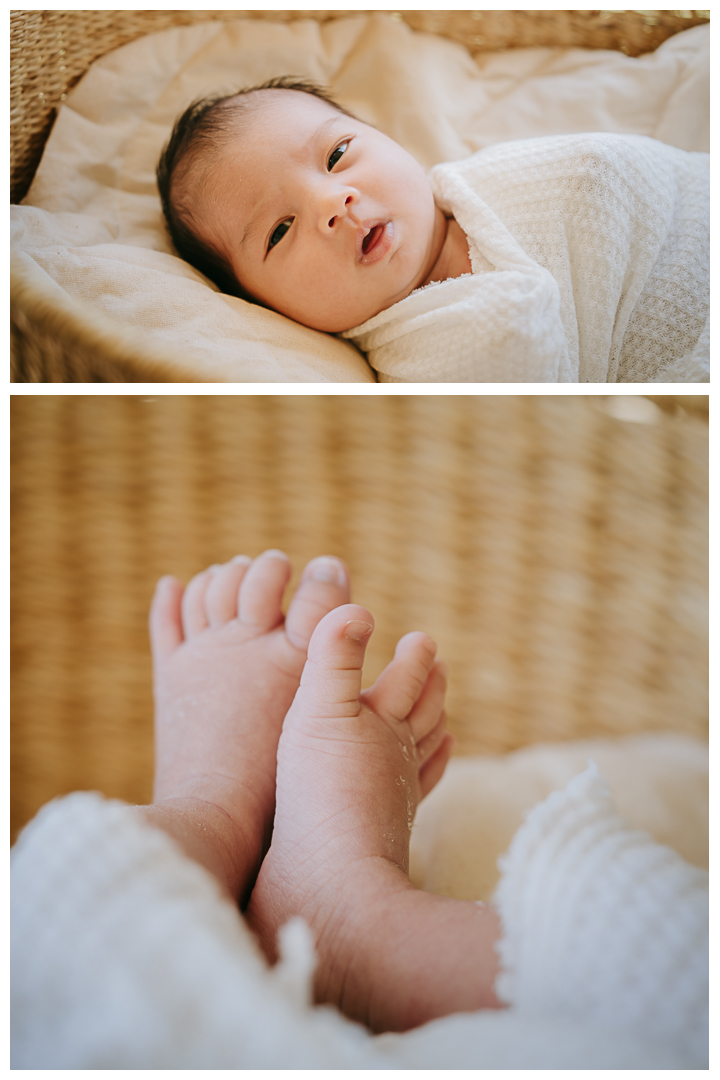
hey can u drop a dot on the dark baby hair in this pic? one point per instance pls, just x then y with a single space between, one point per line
206 125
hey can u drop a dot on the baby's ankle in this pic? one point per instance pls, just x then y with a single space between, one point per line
393 957
223 813
353 928
348 911
210 834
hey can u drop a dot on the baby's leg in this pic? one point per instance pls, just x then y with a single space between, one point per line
226 666
352 767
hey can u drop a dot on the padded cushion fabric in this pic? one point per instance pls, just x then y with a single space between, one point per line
91 222
658 781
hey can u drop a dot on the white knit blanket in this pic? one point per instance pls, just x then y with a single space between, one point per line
125 956
590 257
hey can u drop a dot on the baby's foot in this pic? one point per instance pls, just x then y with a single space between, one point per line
352 767
226 669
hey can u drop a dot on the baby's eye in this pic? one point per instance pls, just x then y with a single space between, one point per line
279 233
336 155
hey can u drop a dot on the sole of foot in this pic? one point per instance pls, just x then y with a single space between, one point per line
352 766
227 665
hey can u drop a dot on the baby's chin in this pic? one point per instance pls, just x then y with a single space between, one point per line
341 320
340 324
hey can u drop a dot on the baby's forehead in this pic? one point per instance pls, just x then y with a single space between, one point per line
280 104
283 124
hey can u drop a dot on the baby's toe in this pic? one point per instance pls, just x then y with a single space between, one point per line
427 711
332 676
432 770
166 630
325 585
401 684
194 614
262 589
221 596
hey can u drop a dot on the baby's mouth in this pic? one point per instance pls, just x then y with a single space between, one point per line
376 243
372 238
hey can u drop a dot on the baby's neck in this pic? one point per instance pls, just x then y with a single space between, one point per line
454 258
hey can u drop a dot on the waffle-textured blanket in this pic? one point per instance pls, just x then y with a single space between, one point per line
125 956
590 257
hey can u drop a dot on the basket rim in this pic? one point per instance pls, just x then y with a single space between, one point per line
30 127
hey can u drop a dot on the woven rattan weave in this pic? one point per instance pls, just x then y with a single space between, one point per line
51 50
556 552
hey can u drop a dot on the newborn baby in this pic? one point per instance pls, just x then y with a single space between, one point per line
561 259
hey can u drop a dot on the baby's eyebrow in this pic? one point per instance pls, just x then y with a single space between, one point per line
250 229
328 123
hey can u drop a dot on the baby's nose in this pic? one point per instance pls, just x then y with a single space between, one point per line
344 206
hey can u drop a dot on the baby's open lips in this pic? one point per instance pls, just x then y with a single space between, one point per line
372 237
374 240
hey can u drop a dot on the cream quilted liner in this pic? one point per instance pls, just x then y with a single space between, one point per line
51 50
57 338
556 548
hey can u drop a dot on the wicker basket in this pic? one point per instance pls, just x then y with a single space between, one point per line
51 50
557 553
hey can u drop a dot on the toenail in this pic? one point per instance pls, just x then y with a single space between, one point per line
276 552
327 569
241 559
358 631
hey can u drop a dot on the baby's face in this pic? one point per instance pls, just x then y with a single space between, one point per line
322 217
